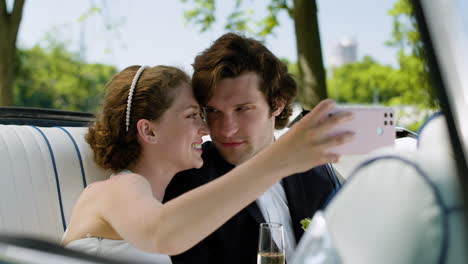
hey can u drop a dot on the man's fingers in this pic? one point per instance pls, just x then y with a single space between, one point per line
336 140
319 112
334 120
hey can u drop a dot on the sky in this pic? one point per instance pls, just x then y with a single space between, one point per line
154 32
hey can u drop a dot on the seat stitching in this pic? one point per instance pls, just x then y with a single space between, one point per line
57 182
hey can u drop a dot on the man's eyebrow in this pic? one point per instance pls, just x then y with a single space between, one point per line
237 105
244 104
209 107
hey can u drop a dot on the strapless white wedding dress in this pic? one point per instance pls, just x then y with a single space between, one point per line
116 249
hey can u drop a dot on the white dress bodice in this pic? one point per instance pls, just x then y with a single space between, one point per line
115 249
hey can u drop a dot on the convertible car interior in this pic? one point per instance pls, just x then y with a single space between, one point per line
397 205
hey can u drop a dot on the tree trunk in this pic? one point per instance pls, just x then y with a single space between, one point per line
9 25
7 64
312 86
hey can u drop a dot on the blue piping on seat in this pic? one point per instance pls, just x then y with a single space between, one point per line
78 154
56 176
438 197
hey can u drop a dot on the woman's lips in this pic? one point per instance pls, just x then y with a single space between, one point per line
197 147
198 150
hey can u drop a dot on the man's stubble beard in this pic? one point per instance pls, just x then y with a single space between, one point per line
246 154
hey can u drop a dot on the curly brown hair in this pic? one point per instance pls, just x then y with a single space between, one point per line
113 147
232 55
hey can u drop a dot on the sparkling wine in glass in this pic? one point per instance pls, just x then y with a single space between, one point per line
271 244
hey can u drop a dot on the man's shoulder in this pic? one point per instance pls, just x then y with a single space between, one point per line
209 150
210 158
321 170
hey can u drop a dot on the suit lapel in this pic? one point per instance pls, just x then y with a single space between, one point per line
296 196
255 212
223 167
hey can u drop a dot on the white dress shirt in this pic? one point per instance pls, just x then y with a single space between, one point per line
274 207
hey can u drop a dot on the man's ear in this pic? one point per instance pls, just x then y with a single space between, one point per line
147 131
279 104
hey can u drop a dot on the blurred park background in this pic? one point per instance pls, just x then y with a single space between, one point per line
60 54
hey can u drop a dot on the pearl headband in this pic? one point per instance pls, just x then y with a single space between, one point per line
130 95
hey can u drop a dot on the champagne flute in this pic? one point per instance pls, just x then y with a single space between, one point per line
271 244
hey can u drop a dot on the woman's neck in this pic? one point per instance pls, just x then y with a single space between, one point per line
156 170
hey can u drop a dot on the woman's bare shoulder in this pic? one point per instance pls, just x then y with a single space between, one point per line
99 196
128 181
124 180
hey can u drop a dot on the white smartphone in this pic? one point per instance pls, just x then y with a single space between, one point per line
374 128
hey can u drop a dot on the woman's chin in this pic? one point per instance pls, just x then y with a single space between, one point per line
198 164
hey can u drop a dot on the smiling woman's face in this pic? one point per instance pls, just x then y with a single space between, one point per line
180 130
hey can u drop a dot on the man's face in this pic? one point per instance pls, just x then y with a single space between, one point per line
239 118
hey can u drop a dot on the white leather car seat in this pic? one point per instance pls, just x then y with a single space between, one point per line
43 171
397 207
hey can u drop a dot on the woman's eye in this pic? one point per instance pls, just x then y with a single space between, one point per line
243 108
194 115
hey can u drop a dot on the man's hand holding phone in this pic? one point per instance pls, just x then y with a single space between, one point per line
373 127
329 131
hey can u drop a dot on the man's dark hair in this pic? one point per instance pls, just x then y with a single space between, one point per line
233 55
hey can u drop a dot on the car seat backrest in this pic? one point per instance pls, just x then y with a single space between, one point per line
434 134
402 207
43 171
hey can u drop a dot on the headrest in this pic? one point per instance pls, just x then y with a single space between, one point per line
433 135
403 207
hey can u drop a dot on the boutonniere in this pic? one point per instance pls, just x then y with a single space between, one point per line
305 223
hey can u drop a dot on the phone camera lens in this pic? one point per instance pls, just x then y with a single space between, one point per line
385 114
391 115
391 123
379 131
385 123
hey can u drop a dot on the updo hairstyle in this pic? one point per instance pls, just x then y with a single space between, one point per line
114 148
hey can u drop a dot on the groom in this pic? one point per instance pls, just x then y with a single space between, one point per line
247 93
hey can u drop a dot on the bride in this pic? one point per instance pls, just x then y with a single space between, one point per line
150 128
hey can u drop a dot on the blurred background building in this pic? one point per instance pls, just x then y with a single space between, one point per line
343 52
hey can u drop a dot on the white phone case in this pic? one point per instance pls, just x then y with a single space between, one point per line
374 127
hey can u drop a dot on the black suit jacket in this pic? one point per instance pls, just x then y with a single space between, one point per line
237 240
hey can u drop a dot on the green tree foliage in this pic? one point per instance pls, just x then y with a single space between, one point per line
413 69
363 82
240 19
367 81
52 70
53 77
